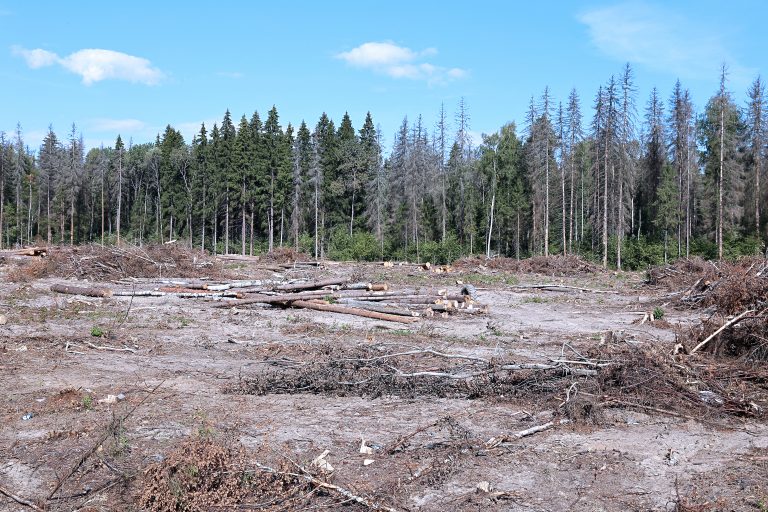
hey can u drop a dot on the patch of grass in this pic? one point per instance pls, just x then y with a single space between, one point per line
88 402
97 331
489 279
535 300
658 313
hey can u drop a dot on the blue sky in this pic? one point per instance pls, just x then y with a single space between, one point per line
132 68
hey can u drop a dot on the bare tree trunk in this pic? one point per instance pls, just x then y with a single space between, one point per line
120 196
546 198
490 227
226 224
720 183
316 220
250 251
242 230
72 221
620 234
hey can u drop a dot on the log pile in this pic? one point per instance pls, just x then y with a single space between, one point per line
334 295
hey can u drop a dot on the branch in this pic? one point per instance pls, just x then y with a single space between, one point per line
721 329
19 500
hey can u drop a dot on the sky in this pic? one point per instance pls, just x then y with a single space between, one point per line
134 67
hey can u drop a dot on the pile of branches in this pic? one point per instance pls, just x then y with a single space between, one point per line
558 266
205 473
655 380
735 294
612 376
103 263
367 372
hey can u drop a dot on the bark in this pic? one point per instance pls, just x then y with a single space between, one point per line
334 308
79 290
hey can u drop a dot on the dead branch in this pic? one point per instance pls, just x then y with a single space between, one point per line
496 441
112 349
107 432
306 476
721 329
19 500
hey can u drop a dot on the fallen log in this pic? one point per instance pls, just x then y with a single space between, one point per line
335 308
311 285
556 287
80 290
377 306
277 299
377 287
31 251
236 284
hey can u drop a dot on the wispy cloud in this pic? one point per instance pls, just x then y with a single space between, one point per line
400 62
661 39
94 65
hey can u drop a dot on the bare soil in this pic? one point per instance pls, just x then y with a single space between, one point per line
202 393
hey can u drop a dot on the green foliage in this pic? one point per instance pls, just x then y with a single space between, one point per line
97 331
359 246
658 313
87 402
638 254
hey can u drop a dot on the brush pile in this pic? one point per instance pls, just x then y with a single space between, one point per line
557 266
104 263
734 294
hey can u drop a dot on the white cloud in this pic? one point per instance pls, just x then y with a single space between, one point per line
400 62
660 39
37 58
95 65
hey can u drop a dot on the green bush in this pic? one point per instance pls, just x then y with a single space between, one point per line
359 246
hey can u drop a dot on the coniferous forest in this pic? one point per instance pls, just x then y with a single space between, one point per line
624 179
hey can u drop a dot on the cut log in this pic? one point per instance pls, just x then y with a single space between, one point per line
335 308
557 287
277 299
191 292
80 290
377 306
311 285
236 284
374 287
31 251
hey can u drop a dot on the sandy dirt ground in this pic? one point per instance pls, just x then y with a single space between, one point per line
186 369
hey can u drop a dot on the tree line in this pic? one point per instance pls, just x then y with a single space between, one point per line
623 187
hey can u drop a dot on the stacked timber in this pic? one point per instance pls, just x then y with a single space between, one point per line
333 295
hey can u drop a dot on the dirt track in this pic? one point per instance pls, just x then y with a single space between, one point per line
617 458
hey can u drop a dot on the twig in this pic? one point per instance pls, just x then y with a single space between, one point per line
113 349
721 329
416 352
496 441
81 460
305 475
19 500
